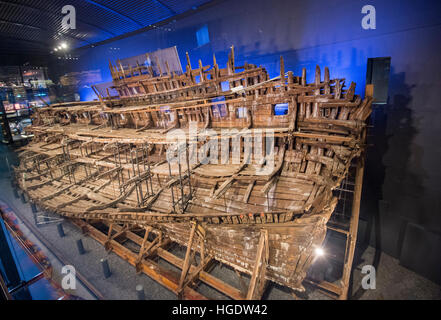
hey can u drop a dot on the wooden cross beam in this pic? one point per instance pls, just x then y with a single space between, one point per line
186 279
248 191
195 274
111 237
186 265
57 193
142 249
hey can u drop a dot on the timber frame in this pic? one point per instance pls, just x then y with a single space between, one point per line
184 285
339 289
111 167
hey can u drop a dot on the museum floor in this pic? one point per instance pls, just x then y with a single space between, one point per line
393 281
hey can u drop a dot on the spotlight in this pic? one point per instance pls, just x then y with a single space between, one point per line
56 49
319 252
64 45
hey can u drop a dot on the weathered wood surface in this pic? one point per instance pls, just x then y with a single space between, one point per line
107 161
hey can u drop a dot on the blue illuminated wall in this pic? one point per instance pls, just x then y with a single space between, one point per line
402 205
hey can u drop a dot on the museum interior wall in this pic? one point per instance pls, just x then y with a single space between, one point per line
401 206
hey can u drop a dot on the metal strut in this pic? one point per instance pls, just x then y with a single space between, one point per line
183 178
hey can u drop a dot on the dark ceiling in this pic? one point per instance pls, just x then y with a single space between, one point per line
34 26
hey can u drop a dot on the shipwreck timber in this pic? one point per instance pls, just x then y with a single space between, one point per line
112 163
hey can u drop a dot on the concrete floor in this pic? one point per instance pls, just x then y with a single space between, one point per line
392 280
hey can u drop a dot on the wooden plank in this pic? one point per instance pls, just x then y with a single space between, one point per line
353 228
223 187
248 191
258 265
150 268
186 265
205 277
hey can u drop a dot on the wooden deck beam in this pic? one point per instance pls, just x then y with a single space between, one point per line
204 276
164 277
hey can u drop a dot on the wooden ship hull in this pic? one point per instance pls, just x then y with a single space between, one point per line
108 161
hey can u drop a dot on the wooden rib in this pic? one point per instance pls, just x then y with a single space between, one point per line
248 191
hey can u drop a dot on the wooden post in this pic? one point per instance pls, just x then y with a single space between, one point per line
282 71
369 92
186 265
141 250
258 276
355 214
353 228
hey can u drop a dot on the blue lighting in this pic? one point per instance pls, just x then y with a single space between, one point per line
281 109
219 109
202 35
342 44
87 94
225 85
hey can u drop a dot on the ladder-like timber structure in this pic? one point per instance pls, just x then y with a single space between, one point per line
113 167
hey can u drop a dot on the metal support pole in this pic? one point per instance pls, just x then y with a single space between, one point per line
147 193
34 208
106 268
139 174
140 292
180 179
171 187
188 170
138 196
148 166
119 160
60 230
80 247
5 124
9 171
118 173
